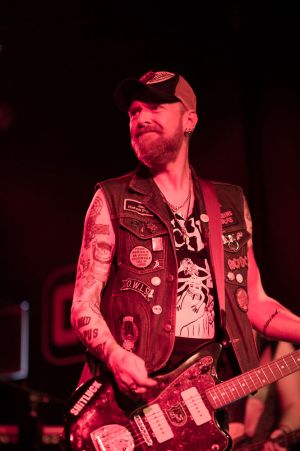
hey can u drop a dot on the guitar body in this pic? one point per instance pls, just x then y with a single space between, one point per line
173 416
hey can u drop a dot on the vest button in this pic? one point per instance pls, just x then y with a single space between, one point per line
170 277
168 327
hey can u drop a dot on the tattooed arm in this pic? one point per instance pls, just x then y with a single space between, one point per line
266 314
93 267
96 254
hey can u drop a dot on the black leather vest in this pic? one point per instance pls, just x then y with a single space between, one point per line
139 300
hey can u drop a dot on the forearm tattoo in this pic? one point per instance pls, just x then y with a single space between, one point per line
83 321
90 334
98 351
268 321
102 350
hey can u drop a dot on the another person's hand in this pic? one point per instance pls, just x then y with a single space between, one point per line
274 445
253 413
129 371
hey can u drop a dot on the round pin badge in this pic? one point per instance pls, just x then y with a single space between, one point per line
156 281
204 217
239 278
242 299
157 309
140 257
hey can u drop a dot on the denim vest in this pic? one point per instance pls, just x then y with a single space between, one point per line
139 300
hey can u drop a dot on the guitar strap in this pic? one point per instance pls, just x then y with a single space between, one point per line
212 207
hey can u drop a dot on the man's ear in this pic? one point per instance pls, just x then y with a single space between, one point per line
191 120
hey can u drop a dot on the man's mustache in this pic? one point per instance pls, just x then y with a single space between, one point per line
146 130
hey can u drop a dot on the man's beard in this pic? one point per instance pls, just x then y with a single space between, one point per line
159 151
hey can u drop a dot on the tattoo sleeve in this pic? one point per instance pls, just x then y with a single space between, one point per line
93 268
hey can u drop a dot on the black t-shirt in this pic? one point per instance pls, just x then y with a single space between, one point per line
195 308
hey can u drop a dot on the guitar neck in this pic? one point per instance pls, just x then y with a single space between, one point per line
241 386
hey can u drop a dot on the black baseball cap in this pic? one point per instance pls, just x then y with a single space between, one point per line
161 86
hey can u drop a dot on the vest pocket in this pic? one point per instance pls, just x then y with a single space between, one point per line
141 245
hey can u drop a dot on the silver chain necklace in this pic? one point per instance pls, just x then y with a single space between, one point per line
176 208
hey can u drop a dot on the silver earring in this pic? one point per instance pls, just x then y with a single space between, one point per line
188 132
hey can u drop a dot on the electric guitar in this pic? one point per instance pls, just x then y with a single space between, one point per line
178 414
284 440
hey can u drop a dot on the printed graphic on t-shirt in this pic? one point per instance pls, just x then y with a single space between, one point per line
195 303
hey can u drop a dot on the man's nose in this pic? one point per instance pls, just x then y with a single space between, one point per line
144 116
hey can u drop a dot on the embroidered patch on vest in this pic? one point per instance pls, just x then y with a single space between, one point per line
136 285
129 333
242 299
238 263
228 218
137 207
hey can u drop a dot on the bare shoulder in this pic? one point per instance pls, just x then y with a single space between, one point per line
247 215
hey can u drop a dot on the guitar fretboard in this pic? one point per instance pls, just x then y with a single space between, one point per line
241 386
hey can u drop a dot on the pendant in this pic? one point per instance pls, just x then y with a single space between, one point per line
183 231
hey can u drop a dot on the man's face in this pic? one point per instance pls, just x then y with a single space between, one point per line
156 131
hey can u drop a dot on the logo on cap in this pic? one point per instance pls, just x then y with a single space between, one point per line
156 77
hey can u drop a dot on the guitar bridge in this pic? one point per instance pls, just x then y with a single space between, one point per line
112 437
143 430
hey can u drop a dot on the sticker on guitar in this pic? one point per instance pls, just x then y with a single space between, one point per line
177 414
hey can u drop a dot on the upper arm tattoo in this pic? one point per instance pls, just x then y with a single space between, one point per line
91 227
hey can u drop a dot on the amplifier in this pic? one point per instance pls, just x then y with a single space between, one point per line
9 434
51 434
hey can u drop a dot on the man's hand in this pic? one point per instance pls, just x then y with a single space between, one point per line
129 371
274 445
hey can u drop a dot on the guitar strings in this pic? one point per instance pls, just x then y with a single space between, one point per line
136 435
253 379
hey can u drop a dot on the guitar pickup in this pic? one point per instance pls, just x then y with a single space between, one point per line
196 406
158 423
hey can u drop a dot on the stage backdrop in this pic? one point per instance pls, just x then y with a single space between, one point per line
60 134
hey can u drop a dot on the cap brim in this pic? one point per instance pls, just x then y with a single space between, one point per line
131 89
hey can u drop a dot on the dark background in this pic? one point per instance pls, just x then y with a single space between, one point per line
60 133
